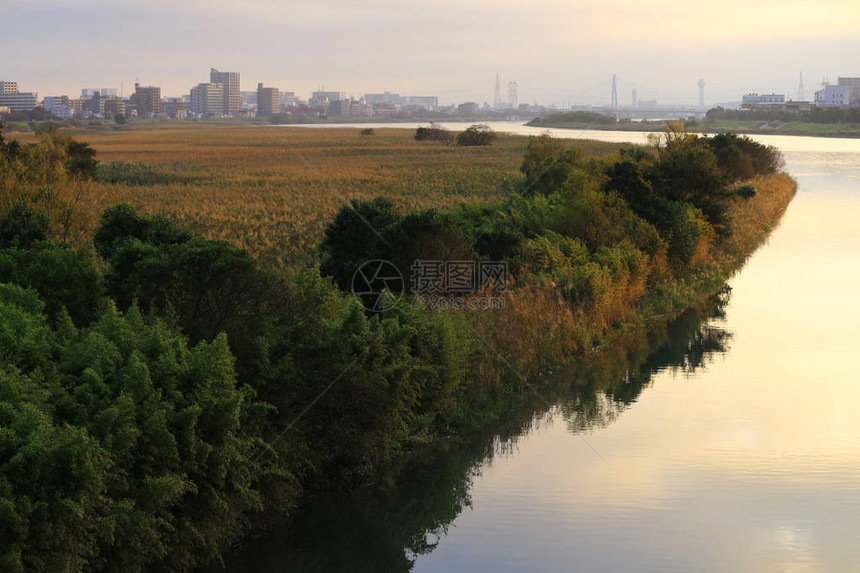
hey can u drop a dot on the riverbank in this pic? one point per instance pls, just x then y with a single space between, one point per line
667 330
709 126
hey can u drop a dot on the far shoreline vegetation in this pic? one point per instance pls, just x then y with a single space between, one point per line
160 347
818 123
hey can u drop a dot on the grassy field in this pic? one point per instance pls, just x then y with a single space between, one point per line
272 190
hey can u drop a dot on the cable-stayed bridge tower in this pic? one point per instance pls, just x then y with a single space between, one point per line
512 93
614 102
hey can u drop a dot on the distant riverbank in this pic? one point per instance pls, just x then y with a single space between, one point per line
713 126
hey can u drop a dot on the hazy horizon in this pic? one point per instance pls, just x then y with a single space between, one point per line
558 52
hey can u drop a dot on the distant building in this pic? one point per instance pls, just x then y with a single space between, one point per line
853 89
103 92
63 112
428 102
113 106
13 99
361 108
231 96
833 96
148 100
77 105
289 98
467 108
175 108
268 101
50 103
756 101
20 101
340 107
207 99
798 106
386 97
324 98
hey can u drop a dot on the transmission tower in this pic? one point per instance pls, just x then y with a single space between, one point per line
512 93
614 103
497 99
701 92
800 95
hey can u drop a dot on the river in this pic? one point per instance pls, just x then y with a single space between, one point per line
732 444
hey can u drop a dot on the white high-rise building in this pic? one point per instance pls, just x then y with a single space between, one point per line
207 99
232 97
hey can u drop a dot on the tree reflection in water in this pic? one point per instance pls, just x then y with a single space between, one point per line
386 527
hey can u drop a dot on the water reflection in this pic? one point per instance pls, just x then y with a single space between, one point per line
385 529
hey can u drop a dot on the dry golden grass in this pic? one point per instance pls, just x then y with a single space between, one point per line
272 190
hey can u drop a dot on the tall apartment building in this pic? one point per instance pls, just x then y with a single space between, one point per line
94 105
340 107
148 100
232 98
268 101
13 99
467 108
77 105
207 99
53 102
853 89
113 106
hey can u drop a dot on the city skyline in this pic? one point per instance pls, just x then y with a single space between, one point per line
557 52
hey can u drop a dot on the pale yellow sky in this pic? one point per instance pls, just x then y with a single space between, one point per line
557 50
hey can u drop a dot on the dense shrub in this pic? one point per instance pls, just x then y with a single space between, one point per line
63 277
743 158
123 222
478 134
353 236
122 447
22 226
540 149
434 133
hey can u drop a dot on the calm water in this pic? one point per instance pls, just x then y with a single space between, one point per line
731 442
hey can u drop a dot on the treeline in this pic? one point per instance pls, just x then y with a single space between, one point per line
161 393
601 232
815 115
478 134
573 117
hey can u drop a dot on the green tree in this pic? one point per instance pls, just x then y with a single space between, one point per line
353 235
477 135
540 149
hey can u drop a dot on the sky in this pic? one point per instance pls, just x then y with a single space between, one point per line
559 52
